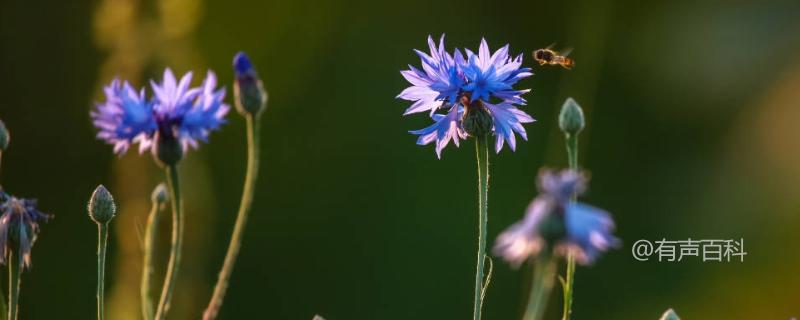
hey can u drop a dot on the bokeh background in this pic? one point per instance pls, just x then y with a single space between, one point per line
691 108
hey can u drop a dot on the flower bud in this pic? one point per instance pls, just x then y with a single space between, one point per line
248 90
670 315
571 120
159 195
101 206
168 150
477 120
5 137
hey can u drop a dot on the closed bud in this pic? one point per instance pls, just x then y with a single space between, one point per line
477 120
168 150
5 138
571 120
248 90
670 315
159 195
101 206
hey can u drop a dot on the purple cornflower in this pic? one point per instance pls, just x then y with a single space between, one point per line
466 85
175 112
553 220
19 226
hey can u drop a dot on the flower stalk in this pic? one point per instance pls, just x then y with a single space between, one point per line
101 210
158 199
571 121
5 137
543 280
241 219
3 305
250 100
568 281
482 155
102 246
14 268
176 243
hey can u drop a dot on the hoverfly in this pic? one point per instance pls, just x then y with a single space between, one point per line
554 58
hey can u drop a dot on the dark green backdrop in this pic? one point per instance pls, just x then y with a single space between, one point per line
691 133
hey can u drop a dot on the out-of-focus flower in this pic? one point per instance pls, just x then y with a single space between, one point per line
177 112
553 221
467 87
19 226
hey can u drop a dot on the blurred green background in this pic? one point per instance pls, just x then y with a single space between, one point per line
692 133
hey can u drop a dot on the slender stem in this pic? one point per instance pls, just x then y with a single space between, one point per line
543 279
241 220
176 244
482 154
572 150
572 155
149 257
14 269
3 305
102 245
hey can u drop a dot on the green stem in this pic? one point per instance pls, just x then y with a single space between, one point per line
482 154
102 245
3 304
572 155
572 150
14 269
176 246
543 280
149 260
241 220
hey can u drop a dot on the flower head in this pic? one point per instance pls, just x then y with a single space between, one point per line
19 227
439 82
176 111
553 220
494 74
466 84
126 117
446 127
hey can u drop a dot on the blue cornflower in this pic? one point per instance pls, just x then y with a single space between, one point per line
495 74
175 112
553 220
19 226
438 83
125 118
463 85
445 127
